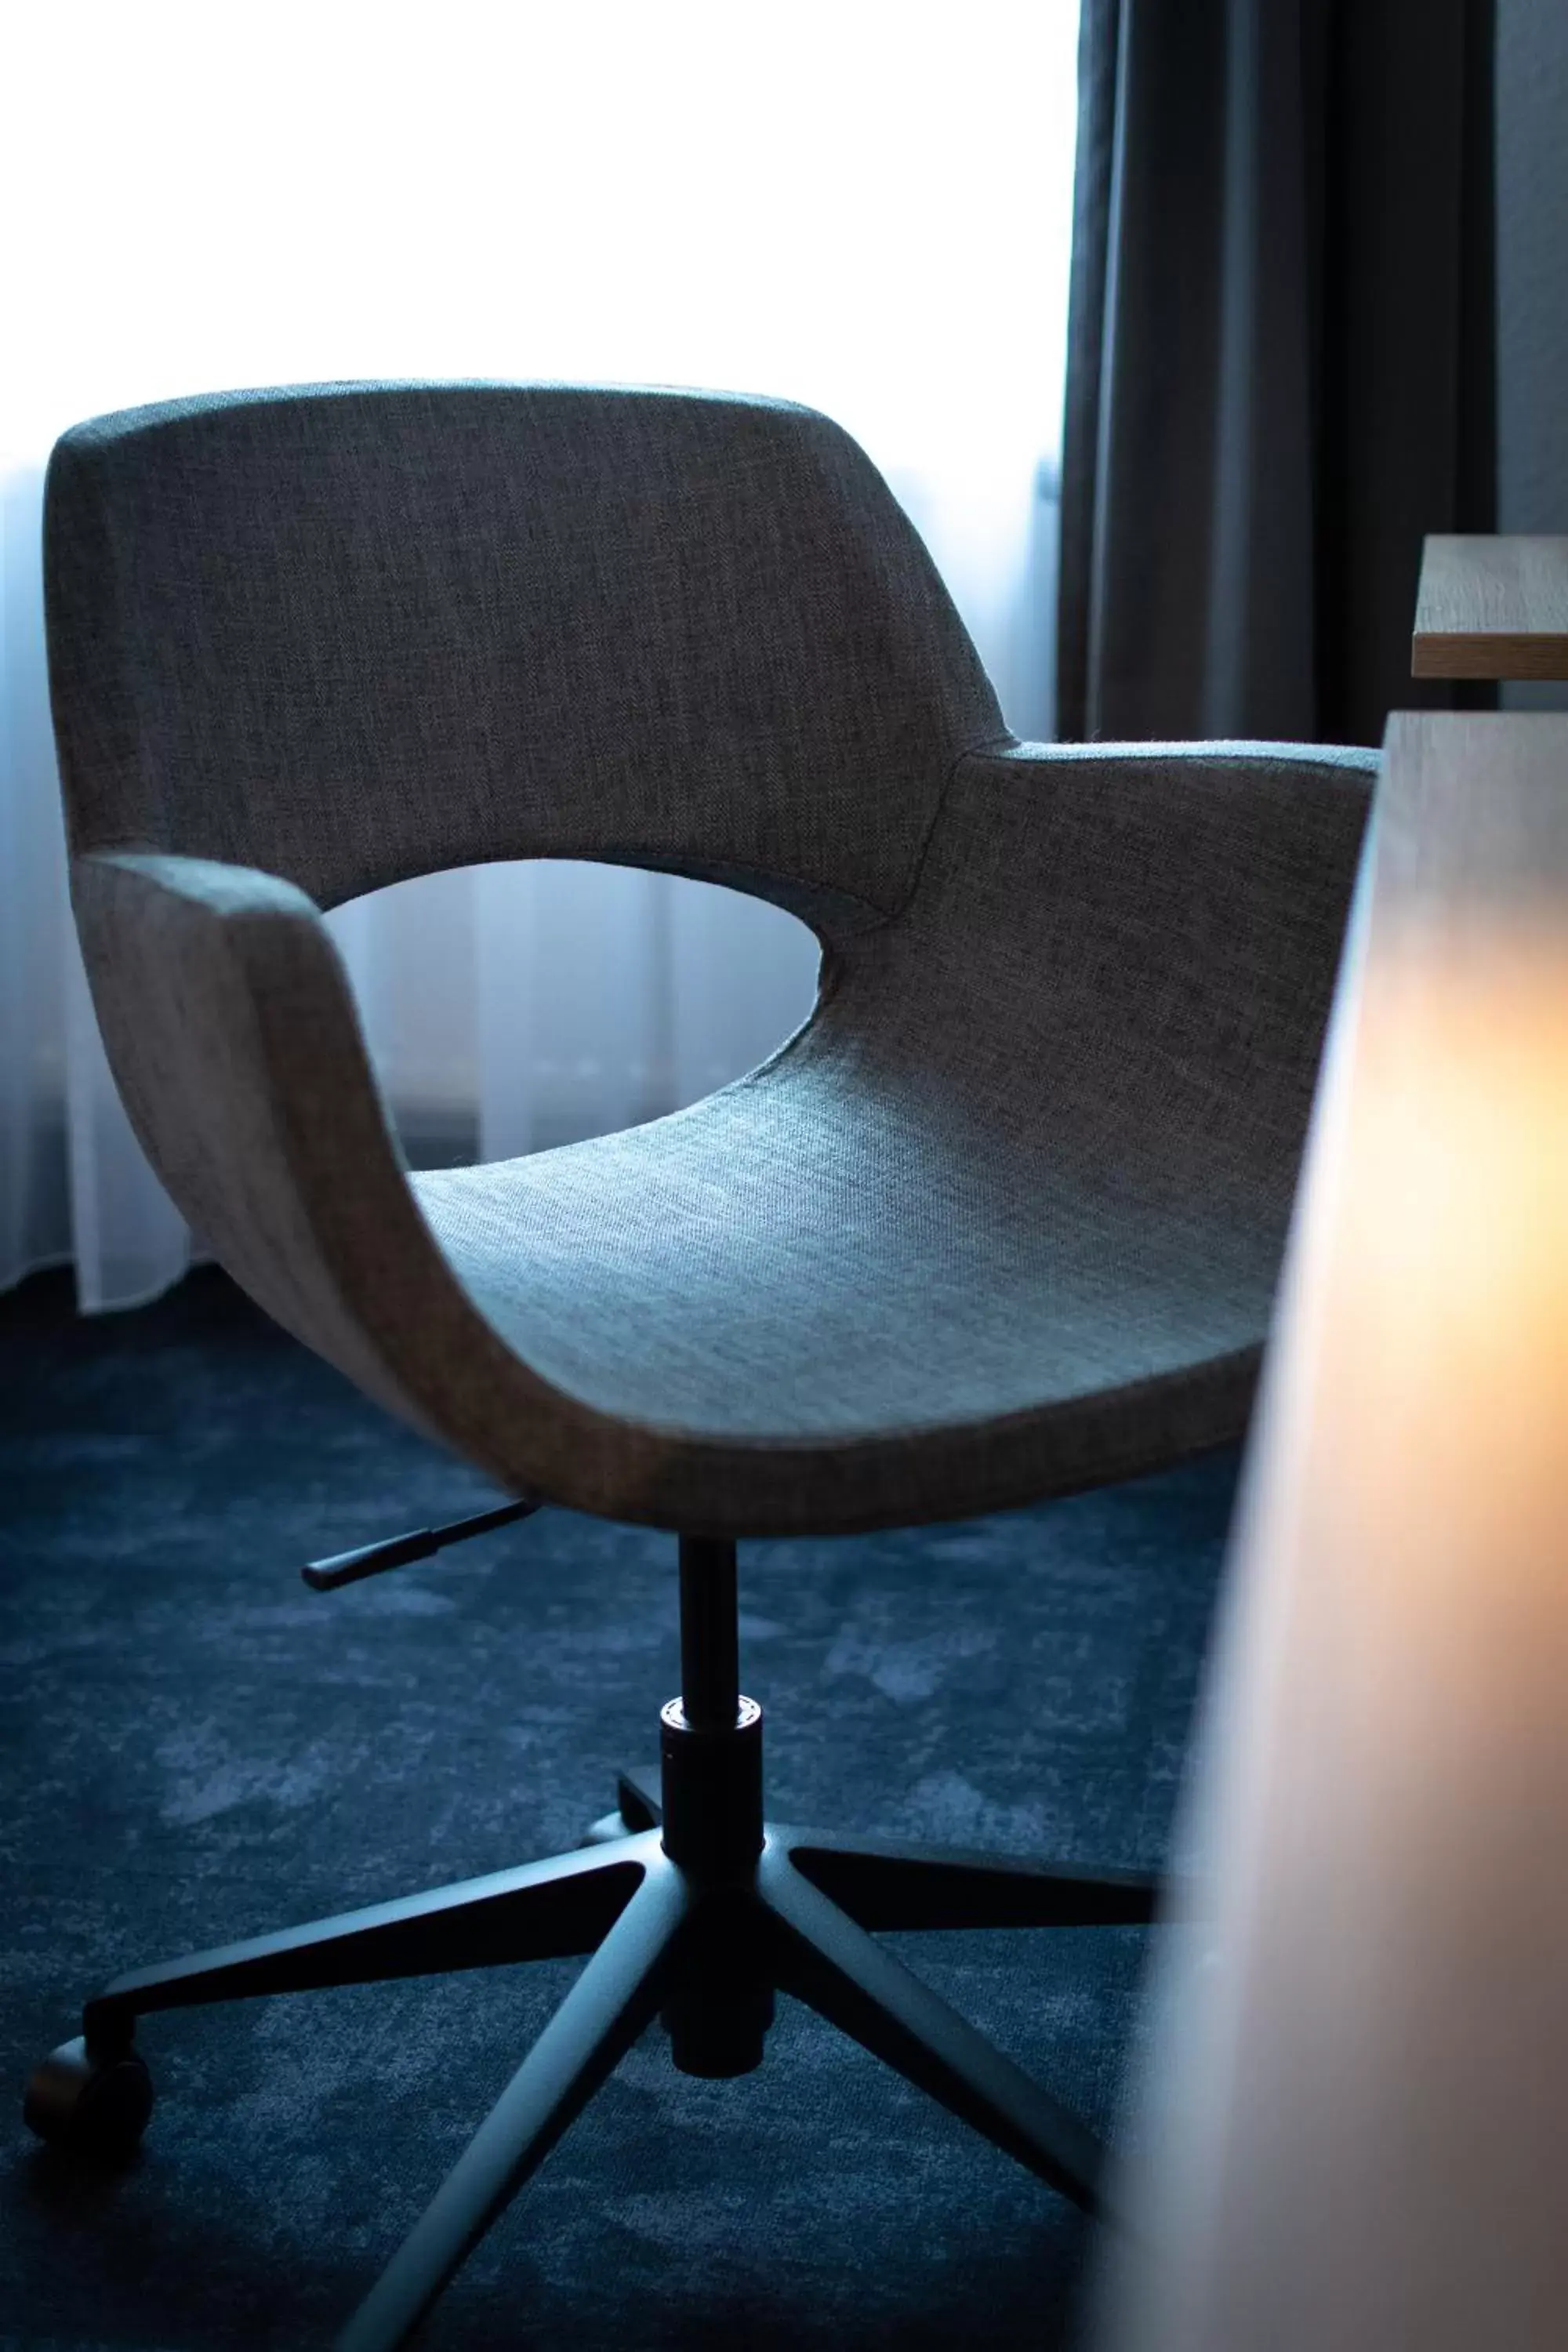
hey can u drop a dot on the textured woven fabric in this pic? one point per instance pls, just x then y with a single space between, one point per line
356 633
1039 1143
1003 1219
1015 1198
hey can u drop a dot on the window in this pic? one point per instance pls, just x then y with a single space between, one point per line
862 206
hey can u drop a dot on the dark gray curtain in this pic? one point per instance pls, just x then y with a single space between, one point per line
1281 358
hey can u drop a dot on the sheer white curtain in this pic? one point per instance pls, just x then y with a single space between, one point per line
863 204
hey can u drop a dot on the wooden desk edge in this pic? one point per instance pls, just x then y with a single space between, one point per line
1501 654
1230 2245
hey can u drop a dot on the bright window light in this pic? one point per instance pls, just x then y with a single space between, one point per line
862 206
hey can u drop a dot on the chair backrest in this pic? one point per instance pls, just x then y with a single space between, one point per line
352 632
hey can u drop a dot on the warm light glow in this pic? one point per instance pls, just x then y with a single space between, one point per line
1354 2134
1447 1370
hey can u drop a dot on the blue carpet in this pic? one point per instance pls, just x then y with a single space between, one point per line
197 1749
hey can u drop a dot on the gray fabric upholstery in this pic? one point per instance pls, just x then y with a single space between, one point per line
1015 1198
356 632
1003 1218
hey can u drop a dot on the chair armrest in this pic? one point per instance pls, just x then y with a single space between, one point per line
1148 934
1265 781
1153 867
232 1033
1211 873
231 1028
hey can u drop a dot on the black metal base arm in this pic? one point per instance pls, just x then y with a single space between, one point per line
689 1907
708 1954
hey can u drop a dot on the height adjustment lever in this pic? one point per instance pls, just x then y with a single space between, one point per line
374 1559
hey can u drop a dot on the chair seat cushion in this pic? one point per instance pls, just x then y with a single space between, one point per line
789 1265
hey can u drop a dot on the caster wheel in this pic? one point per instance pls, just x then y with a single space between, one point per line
96 2107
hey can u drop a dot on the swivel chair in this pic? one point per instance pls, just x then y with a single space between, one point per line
1002 1220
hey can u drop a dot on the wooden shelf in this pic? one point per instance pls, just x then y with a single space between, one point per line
1492 608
